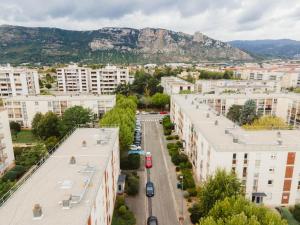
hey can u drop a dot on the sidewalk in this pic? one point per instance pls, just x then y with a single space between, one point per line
172 168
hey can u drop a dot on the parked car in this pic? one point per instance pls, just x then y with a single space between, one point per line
164 112
148 162
149 189
134 147
148 154
152 220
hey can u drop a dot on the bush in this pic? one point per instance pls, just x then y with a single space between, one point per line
196 212
167 131
130 162
120 200
296 212
192 192
122 210
188 179
185 165
179 144
177 168
132 185
179 158
171 145
14 174
176 137
170 137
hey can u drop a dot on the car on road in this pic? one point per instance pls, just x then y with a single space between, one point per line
134 147
148 162
152 220
149 189
144 113
164 112
153 112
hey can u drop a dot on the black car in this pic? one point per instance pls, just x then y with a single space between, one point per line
149 189
152 220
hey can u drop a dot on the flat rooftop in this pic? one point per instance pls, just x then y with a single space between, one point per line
221 136
57 179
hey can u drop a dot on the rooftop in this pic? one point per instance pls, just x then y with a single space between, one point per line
221 134
61 97
57 179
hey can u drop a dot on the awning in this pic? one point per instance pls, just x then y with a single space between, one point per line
259 194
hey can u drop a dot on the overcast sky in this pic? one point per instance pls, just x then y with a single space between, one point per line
220 19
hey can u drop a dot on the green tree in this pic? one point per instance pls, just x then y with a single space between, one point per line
248 112
124 89
50 142
234 113
35 123
160 100
296 212
76 115
48 126
31 156
48 86
237 210
15 128
217 188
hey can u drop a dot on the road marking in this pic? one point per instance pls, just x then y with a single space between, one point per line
167 168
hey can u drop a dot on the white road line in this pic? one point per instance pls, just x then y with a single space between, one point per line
168 172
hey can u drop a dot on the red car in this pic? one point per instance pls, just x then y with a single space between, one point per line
164 112
148 162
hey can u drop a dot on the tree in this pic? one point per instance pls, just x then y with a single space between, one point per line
248 112
267 123
237 210
217 188
30 157
160 100
48 86
124 89
76 115
50 142
296 212
15 128
35 123
48 126
234 113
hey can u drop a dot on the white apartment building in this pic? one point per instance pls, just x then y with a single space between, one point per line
16 81
286 106
22 109
76 185
266 162
237 86
288 76
174 85
86 80
7 159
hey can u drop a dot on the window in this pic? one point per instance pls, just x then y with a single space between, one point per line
298 187
234 158
270 182
36 103
271 170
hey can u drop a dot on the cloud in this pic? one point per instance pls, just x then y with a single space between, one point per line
221 19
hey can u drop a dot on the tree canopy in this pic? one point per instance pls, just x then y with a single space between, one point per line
248 112
160 100
234 113
267 123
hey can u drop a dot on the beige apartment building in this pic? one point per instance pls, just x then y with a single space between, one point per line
174 85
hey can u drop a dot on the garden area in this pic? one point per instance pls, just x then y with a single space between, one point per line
25 136
122 214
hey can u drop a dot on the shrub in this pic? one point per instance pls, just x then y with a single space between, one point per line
120 200
296 212
192 192
14 174
185 165
179 158
176 137
177 168
179 144
196 212
171 145
130 162
122 210
188 179
170 137
133 184
167 131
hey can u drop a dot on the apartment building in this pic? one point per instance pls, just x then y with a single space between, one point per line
6 148
267 162
76 185
22 109
288 76
87 80
237 86
174 85
15 81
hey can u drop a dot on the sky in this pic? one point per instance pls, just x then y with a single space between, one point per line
220 19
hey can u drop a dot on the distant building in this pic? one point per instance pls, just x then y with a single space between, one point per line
6 148
76 185
15 81
193 74
174 85
237 86
267 162
87 80
22 109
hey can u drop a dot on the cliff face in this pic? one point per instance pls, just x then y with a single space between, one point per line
116 45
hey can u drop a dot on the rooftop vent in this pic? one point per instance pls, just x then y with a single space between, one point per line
235 140
66 203
226 131
192 102
279 134
279 141
216 122
207 115
218 114
197 106
83 143
37 211
185 96
72 160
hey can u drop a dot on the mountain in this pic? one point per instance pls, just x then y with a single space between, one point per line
282 48
115 45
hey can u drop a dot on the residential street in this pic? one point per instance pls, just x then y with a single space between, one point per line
167 202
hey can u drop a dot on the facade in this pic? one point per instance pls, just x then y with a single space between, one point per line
15 81
87 80
288 76
286 106
76 185
174 85
6 148
237 86
22 109
266 162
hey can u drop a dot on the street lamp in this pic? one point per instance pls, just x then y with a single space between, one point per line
181 219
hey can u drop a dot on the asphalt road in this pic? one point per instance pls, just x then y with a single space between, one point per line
163 205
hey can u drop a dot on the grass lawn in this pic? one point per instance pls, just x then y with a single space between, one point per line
25 136
286 214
